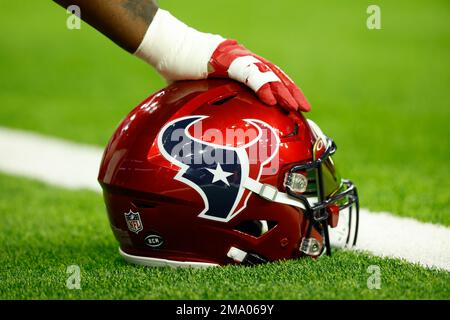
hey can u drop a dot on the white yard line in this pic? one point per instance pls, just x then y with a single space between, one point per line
51 160
387 235
75 166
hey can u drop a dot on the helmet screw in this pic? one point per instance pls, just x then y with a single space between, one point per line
284 242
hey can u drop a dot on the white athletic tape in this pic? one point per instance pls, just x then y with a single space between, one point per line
176 50
70 165
244 69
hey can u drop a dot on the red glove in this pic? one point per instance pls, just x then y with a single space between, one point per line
231 60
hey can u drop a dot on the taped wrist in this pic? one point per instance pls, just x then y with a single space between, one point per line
176 50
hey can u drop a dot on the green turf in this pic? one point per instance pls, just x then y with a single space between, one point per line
45 229
381 94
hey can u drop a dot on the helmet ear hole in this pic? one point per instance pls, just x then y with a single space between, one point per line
255 228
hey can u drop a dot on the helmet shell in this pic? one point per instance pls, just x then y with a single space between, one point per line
136 177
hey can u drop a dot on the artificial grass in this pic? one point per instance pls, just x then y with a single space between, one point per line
45 229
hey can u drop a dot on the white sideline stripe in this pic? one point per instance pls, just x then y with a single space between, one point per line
51 160
386 235
75 166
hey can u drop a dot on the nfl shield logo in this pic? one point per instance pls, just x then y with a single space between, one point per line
134 222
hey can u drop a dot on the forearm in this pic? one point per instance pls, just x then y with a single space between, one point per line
123 21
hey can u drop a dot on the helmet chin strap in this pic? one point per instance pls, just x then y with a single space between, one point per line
271 193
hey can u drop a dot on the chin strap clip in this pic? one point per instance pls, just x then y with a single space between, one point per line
245 258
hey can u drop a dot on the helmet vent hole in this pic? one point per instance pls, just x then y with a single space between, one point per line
142 204
293 133
255 228
223 99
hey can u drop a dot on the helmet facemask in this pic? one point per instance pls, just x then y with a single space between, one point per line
323 195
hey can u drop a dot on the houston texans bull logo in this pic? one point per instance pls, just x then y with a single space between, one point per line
219 177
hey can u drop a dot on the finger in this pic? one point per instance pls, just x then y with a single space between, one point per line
300 98
283 96
265 95
273 90
292 87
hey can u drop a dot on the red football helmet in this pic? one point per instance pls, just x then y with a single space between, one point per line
202 173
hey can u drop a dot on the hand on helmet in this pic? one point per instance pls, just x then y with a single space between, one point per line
271 84
180 52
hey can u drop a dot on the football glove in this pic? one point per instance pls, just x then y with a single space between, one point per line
180 52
